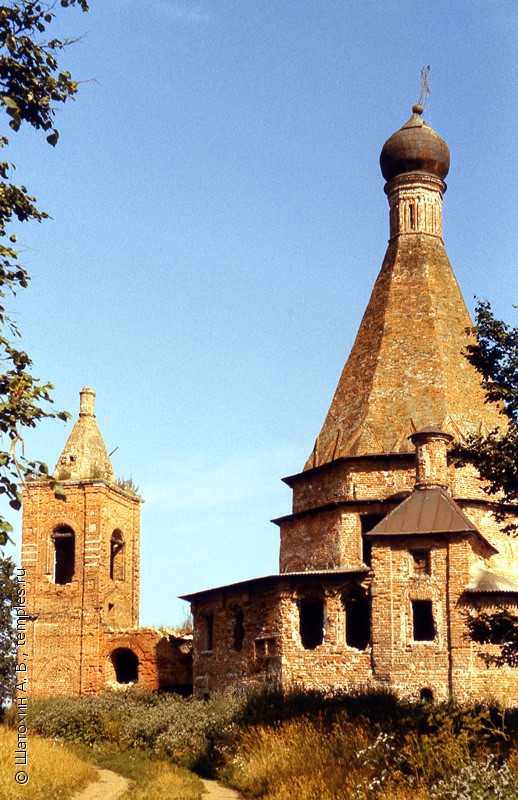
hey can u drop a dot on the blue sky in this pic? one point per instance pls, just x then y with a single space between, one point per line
218 221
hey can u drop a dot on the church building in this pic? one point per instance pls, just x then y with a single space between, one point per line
389 546
81 559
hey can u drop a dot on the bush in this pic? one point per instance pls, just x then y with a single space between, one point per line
478 780
268 739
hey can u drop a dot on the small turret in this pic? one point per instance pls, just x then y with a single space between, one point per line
431 446
85 456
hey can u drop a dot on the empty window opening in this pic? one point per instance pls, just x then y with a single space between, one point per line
265 647
311 623
424 629
125 664
367 522
117 556
411 216
238 632
426 695
209 631
358 622
421 562
64 554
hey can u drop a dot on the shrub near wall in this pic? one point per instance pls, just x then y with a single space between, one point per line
187 731
300 745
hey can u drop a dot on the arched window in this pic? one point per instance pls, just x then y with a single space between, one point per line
64 554
117 556
125 664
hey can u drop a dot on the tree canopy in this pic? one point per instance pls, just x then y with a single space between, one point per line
495 355
32 86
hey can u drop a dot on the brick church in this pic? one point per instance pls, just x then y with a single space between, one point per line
389 544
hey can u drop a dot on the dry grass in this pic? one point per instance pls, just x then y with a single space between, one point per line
316 759
167 782
53 771
299 759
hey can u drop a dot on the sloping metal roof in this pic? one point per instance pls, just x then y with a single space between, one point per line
280 578
491 582
425 511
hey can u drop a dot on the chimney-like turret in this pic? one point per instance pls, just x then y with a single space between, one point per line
431 446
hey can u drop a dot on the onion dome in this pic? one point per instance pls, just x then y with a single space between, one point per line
415 148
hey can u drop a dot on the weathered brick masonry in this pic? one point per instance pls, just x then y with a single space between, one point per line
81 558
388 545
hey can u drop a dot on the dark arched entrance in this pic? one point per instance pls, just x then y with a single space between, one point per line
125 664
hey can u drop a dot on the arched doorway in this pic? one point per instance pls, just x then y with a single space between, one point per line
125 665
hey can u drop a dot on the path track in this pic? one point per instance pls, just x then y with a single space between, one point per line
111 786
215 791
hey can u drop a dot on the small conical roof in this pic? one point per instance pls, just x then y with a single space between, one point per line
85 456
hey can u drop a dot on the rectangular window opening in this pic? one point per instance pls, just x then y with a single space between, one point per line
368 522
421 562
311 623
358 622
422 618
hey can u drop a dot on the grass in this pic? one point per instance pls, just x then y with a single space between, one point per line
54 772
452 754
151 778
294 745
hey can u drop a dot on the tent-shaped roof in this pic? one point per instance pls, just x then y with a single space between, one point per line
425 511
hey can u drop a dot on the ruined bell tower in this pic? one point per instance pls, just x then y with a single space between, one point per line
81 557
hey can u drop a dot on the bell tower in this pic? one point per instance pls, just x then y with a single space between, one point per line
81 561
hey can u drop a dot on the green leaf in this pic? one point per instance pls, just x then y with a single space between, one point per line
53 138
59 492
10 102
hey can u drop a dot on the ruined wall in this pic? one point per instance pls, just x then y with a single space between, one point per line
446 664
237 638
164 659
66 620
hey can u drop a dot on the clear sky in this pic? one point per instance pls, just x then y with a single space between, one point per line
218 222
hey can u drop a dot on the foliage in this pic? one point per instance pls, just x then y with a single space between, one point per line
495 356
494 353
187 731
54 771
31 87
289 745
129 485
480 780
500 628
8 596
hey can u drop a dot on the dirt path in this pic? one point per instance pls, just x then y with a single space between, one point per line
110 786
215 791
